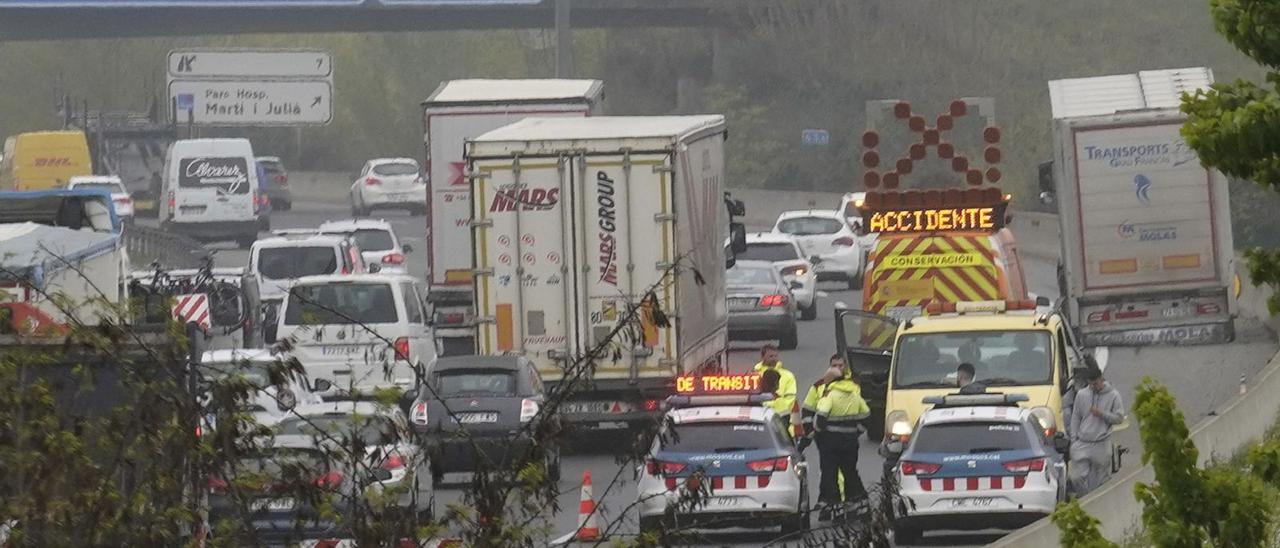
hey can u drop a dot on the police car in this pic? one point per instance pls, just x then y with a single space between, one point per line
977 462
729 447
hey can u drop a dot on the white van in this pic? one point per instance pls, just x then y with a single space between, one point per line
210 186
361 332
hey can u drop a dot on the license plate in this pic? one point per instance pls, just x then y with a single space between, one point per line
341 350
973 502
726 502
275 505
592 407
477 418
144 204
742 304
192 209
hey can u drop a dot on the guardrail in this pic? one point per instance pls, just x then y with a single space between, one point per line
148 245
1244 420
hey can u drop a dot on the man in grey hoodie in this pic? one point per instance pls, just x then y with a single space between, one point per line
1096 410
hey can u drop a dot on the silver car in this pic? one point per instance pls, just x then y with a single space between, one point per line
761 306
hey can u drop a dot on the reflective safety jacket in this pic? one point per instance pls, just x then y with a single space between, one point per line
842 408
786 394
809 408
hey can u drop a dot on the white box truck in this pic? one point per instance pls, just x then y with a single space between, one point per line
575 220
1147 254
456 111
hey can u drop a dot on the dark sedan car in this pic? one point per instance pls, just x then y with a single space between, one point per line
761 306
491 398
276 183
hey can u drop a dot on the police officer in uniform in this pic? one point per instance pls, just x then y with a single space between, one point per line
840 412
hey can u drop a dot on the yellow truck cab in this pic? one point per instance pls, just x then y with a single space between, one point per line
1014 346
43 160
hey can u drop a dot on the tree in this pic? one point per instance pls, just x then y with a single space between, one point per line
1235 127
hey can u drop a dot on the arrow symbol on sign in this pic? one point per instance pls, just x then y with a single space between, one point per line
185 62
316 102
456 172
319 63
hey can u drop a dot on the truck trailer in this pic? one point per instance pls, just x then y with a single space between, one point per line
456 111
1147 253
580 224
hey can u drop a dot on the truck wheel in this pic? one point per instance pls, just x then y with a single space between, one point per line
790 340
799 523
810 312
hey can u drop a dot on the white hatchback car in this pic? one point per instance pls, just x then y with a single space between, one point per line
377 242
977 462
786 255
389 183
110 183
272 402
362 332
826 235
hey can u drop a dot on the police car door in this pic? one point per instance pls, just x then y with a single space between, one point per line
866 341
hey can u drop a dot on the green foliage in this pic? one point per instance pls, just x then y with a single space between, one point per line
1252 26
1078 529
1264 268
1187 506
1263 461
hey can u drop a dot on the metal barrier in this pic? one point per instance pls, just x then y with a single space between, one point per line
149 245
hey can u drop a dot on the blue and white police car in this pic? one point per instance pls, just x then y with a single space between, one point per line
977 462
718 440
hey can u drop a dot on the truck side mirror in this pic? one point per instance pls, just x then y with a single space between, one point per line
737 238
1060 443
1046 198
1042 301
1045 173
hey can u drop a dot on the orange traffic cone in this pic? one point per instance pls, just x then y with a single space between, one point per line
588 528
797 428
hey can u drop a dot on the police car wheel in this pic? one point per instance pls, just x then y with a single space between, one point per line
651 524
800 522
906 535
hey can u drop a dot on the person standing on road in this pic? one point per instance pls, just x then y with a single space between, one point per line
1078 384
1097 409
838 425
786 393
809 409
769 381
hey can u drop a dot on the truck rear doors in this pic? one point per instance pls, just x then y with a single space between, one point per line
566 247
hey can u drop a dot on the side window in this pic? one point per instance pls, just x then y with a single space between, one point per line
412 306
535 380
344 252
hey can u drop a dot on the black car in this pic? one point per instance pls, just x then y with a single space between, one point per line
494 398
276 183
271 503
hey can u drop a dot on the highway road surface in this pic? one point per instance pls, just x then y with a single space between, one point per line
1202 378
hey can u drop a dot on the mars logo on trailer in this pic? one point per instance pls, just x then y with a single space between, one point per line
536 199
608 213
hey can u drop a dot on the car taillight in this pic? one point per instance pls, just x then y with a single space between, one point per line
922 468
217 485
770 465
420 413
402 348
843 241
330 480
281 179
651 405
528 410
393 258
453 318
124 200
172 201
656 467
393 462
773 300
327 543
1024 466
372 181
1208 308
1102 316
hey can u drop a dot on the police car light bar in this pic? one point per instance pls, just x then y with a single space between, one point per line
973 400
965 307
717 399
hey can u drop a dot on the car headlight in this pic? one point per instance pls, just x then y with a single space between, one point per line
897 425
1044 416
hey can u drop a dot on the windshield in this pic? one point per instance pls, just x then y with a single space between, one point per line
808 226
1000 358
113 188
773 252
971 437
341 303
476 383
255 373
370 239
287 263
396 169
373 430
717 437
276 463
740 275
